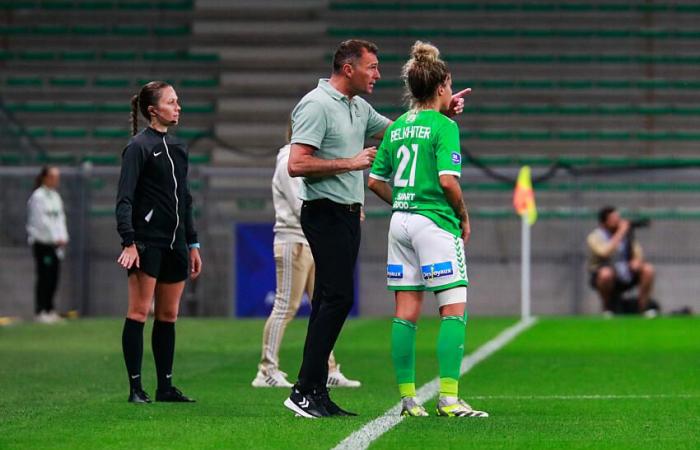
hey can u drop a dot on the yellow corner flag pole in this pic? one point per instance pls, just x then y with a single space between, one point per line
524 203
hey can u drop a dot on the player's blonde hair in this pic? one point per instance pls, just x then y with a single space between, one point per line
423 73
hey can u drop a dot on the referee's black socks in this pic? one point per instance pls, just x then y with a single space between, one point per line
132 346
163 344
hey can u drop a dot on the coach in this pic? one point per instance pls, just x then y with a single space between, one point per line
329 128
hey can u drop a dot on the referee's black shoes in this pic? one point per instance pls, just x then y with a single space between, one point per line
308 405
138 396
172 394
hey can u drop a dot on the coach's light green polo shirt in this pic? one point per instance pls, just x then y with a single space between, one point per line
337 127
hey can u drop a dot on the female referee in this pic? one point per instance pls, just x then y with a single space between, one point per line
429 226
154 220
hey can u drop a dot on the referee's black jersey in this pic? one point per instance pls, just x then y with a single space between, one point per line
154 205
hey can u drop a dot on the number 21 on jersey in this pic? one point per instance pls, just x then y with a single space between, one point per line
404 154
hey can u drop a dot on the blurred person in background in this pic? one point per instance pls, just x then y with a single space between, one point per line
294 266
156 225
48 236
616 263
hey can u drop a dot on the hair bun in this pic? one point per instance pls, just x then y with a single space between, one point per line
424 52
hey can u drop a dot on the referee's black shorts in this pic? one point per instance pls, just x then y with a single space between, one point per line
162 263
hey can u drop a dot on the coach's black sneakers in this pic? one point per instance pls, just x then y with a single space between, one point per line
306 405
172 394
138 396
332 408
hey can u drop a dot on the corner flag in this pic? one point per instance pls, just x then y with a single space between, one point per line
524 196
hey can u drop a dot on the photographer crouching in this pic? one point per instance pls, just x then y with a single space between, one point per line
616 264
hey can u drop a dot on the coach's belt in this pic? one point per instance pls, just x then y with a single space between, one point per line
353 207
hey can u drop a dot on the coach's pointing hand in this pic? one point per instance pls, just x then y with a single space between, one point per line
457 102
364 159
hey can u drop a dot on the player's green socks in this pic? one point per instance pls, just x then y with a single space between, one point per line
450 350
403 353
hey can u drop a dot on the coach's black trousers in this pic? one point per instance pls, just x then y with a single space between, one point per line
47 270
333 232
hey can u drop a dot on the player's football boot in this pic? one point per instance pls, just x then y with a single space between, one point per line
138 396
172 395
411 408
456 407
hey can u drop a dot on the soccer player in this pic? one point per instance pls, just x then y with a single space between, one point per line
420 154
154 219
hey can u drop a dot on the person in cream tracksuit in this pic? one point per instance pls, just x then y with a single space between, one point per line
295 275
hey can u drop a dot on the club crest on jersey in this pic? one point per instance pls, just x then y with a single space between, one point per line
394 271
437 270
456 158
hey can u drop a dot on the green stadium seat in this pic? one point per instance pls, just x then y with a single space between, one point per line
37 55
78 106
37 132
575 109
90 30
536 135
207 107
535 84
57 158
111 82
614 109
199 82
68 81
24 81
69 132
613 84
686 110
114 107
130 30
95 4
574 135
10 159
111 133
102 159
613 135
122 55
78 55
6 55
199 159
50 29
179 30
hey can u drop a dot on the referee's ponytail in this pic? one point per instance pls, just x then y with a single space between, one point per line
148 95
134 114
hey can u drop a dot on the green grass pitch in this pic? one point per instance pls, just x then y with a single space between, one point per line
564 383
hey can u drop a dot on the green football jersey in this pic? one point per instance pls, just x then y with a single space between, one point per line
416 149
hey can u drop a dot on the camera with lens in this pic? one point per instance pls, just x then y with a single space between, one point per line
640 223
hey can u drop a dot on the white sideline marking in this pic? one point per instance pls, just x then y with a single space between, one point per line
362 438
583 397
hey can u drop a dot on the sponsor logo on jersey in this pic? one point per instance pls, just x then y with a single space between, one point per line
456 158
437 270
394 271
